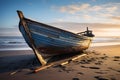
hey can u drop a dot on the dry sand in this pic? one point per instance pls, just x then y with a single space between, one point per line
100 63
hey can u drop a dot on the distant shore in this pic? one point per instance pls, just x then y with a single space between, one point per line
100 63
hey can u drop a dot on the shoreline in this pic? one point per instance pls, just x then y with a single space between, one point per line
101 62
103 44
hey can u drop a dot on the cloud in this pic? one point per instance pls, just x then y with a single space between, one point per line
115 17
111 9
86 12
87 17
105 14
95 8
87 8
73 8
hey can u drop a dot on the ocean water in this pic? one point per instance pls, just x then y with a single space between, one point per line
18 43
13 43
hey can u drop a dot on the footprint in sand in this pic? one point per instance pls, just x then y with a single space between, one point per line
104 57
116 58
80 73
84 67
65 68
99 63
94 67
90 67
101 72
100 78
75 79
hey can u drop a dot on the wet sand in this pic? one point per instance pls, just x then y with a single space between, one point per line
100 63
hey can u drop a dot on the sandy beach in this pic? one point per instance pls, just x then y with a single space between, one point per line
100 63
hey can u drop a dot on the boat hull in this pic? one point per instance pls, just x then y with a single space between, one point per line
53 41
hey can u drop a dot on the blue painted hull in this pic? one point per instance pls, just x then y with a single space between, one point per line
53 41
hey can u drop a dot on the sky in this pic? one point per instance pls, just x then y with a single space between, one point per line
50 11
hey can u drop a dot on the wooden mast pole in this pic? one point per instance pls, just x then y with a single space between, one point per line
25 26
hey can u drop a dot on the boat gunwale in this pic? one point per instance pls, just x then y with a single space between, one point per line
49 26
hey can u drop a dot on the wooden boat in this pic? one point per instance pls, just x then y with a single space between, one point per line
46 40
